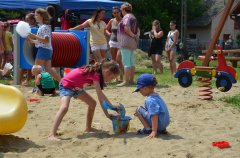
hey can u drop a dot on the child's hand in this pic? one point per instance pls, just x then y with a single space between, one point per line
153 134
110 116
31 35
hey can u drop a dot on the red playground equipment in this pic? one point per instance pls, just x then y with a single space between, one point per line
225 75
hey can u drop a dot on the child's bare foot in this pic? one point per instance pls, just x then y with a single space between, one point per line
122 84
53 138
90 129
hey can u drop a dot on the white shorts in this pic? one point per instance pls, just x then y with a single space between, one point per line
113 44
95 47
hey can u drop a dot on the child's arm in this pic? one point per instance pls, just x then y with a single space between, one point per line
38 78
101 97
40 39
154 119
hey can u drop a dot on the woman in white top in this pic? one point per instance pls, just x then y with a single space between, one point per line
171 47
112 26
97 28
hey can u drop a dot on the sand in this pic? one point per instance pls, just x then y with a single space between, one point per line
195 124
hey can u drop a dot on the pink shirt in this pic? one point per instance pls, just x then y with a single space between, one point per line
66 24
76 79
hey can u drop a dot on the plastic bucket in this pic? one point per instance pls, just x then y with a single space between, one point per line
120 125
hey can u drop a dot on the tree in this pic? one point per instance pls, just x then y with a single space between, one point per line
164 10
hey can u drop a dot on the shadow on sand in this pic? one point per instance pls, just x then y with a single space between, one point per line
104 134
11 143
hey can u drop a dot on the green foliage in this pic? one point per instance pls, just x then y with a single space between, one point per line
232 100
238 39
10 14
164 10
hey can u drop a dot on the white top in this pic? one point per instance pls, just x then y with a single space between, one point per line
44 31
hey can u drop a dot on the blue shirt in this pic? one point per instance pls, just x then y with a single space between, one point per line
155 105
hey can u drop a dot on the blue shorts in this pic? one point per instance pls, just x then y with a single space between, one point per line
128 58
44 54
144 113
68 92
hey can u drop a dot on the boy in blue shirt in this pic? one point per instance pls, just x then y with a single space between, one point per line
154 116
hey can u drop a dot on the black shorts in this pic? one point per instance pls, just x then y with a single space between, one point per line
156 50
47 90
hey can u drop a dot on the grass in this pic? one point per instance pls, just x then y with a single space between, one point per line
232 101
143 65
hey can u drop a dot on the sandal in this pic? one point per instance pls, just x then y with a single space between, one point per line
144 131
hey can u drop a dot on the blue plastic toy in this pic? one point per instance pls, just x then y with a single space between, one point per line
110 107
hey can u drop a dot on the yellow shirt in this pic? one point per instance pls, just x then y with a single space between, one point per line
8 40
97 36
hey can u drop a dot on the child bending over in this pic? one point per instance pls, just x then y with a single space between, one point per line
154 116
72 86
43 81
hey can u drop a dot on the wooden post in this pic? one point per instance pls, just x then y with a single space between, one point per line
218 31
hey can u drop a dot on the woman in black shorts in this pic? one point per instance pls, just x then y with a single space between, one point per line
156 46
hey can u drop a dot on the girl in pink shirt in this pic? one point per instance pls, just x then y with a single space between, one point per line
72 86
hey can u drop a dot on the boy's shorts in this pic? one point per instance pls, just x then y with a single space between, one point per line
128 58
44 54
68 92
144 113
46 91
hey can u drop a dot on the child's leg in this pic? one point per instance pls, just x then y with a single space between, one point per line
51 70
85 97
143 116
65 100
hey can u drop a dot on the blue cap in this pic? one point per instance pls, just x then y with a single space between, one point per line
145 80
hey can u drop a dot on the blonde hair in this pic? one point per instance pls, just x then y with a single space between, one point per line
44 14
36 68
127 7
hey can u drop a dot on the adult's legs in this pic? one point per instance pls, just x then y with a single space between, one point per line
8 57
113 52
119 61
2 60
127 69
172 62
154 63
132 60
97 55
59 116
85 97
131 79
158 63
103 53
